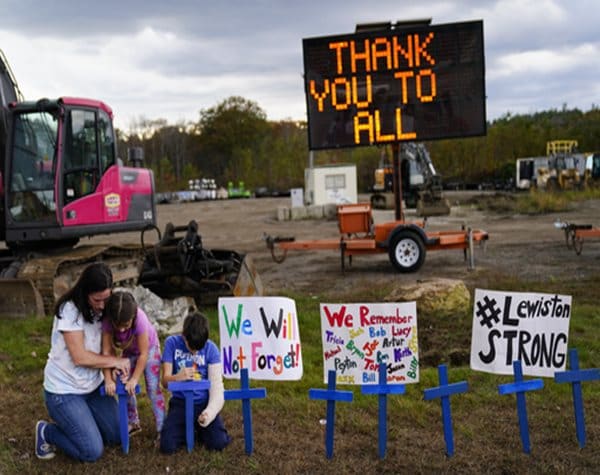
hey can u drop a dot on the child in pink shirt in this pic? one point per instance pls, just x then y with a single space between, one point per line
127 331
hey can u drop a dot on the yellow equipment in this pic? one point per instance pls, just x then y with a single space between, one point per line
421 185
563 171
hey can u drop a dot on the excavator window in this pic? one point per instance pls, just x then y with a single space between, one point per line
32 169
88 151
107 141
81 156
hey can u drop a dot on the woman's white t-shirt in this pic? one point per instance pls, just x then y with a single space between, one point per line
61 375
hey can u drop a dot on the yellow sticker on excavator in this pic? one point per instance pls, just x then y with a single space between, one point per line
112 200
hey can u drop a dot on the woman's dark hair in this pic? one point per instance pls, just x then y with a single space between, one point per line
195 330
95 278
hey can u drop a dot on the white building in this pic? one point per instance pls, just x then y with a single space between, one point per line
330 184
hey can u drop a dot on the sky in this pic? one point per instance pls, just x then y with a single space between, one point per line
161 59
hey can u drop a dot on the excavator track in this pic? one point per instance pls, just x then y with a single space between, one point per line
31 281
51 276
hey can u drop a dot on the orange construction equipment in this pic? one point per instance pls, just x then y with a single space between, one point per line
405 243
575 234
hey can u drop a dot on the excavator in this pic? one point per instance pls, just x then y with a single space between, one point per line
60 181
421 185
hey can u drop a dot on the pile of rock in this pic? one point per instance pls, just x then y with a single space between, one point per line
166 315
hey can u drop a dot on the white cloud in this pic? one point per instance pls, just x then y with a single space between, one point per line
169 60
543 61
519 22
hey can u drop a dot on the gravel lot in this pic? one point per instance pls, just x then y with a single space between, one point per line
528 247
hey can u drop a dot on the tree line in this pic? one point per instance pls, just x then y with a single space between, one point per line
233 141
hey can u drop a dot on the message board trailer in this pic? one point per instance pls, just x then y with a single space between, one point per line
401 83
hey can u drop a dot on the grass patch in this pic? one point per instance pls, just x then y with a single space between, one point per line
288 434
23 347
536 202
533 202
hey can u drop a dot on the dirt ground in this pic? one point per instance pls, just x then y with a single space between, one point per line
527 247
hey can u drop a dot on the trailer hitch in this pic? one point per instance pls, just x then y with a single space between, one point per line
272 241
574 234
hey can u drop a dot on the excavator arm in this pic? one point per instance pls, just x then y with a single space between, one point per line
421 185
430 201
9 92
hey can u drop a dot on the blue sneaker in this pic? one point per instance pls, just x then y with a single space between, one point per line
43 450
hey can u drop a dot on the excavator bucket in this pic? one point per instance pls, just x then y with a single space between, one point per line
383 201
439 207
179 265
248 281
19 299
175 267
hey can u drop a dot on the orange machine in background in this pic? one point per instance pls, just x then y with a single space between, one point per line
406 243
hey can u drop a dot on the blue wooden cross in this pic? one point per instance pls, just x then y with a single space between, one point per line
575 377
330 395
123 396
245 394
188 388
443 392
382 390
520 387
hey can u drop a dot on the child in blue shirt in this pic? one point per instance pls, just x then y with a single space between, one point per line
187 357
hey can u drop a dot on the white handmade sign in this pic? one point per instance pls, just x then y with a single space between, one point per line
530 327
359 337
261 334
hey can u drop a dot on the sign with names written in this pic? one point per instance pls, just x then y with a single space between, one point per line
262 335
530 327
359 337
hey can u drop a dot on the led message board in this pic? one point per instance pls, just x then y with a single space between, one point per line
418 83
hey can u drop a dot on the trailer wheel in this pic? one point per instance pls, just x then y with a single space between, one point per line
407 251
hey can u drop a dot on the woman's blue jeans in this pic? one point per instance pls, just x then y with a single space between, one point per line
82 423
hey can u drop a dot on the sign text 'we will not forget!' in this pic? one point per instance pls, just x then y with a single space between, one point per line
262 335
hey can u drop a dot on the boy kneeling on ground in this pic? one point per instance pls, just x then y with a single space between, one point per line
187 357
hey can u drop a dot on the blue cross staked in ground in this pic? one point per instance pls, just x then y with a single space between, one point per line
382 390
330 395
123 397
246 394
443 392
520 387
576 376
188 388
